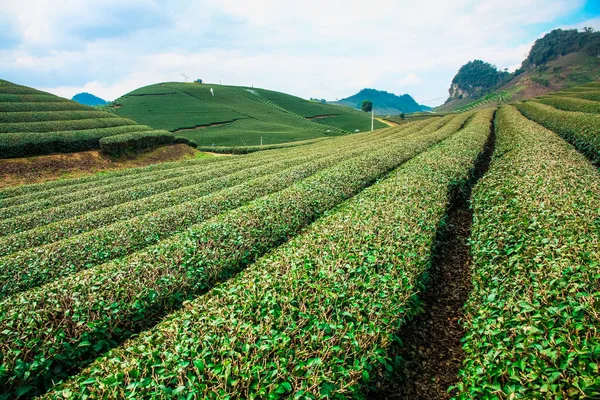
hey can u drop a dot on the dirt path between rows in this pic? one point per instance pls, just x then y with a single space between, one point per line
432 352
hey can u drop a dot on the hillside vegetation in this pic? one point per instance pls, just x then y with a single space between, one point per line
237 116
560 59
33 122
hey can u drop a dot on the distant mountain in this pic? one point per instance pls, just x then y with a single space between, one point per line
560 59
384 103
89 99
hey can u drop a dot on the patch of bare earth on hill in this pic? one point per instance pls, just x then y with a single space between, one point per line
429 354
17 171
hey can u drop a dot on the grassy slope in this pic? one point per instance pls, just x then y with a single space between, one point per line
568 71
236 116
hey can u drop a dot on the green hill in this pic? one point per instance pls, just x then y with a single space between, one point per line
384 103
33 122
559 60
237 115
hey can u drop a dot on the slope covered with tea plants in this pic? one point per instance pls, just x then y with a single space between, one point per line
33 122
223 115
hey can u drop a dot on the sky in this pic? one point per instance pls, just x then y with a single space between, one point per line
323 49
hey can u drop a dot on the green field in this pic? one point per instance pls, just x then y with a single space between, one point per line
237 116
291 272
34 122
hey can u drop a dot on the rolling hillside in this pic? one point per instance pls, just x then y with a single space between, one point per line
33 122
384 103
559 60
235 115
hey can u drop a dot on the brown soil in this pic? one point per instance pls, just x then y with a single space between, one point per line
431 353
16 171
388 122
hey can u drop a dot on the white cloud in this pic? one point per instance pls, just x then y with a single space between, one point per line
408 80
325 49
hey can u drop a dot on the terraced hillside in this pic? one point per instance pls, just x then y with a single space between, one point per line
33 122
291 272
237 116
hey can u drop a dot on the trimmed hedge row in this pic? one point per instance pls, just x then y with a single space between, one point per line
29 144
571 104
31 98
130 142
532 319
64 125
580 129
45 116
42 264
182 140
252 149
114 300
48 106
314 318
594 96
18 89
36 214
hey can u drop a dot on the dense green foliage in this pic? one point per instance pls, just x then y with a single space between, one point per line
571 104
561 42
477 78
134 141
140 288
366 105
385 103
236 116
580 129
335 292
532 318
33 122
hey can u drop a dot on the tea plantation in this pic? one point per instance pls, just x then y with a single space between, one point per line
290 272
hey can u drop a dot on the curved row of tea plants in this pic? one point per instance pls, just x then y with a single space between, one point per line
48 195
580 129
48 331
48 116
314 318
252 149
571 104
47 106
532 319
21 194
29 268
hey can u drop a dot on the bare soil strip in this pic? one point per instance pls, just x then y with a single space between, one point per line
431 352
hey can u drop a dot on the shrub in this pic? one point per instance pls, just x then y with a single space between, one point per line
187 141
131 142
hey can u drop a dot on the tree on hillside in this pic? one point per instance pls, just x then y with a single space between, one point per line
478 78
366 106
